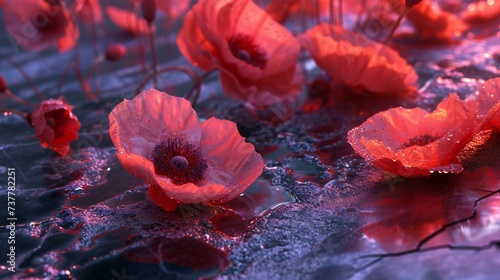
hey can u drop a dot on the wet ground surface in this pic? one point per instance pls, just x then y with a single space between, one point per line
317 211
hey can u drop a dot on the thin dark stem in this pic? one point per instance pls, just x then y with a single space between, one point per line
188 71
91 70
333 20
196 89
340 13
95 45
93 34
18 99
400 18
119 88
76 68
27 78
358 17
153 55
80 79
317 11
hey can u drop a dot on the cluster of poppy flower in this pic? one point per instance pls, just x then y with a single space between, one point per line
256 56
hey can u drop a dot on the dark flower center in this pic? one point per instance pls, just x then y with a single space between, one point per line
243 48
51 122
421 140
179 160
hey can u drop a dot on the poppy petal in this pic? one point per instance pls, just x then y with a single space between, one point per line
233 162
138 125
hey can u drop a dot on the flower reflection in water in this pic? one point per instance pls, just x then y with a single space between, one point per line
436 211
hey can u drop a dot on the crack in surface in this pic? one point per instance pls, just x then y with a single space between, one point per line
419 249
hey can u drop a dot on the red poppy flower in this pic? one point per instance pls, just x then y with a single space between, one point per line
39 24
256 56
489 104
88 10
159 140
482 11
128 21
432 23
352 59
414 142
55 125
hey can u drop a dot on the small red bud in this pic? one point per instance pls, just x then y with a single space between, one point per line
3 85
148 8
115 52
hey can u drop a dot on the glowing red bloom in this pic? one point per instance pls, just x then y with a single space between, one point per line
55 125
482 11
128 21
352 59
414 142
489 104
432 23
256 56
159 140
39 24
88 10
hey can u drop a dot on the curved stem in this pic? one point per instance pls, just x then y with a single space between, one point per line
89 75
188 71
358 16
153 54
333 18
317 13
95 48
93 33
119 88
79 77
400 18
27 78
340 13
19 100
197 87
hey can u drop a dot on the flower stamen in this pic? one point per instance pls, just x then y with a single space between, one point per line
421 140
180 161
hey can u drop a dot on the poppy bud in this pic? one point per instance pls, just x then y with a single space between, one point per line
115 52
148 8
